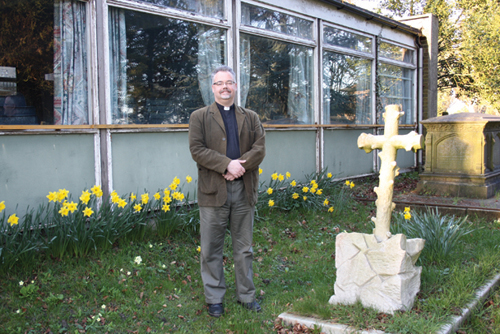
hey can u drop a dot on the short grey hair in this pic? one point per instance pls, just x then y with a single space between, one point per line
223 68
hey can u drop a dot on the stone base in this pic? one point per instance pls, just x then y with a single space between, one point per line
379 275
459 185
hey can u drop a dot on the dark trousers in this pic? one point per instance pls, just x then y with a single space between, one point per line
213 225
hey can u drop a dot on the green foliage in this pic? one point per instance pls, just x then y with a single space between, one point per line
441 233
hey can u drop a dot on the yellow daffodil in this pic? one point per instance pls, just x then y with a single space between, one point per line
178 196
165 207
189 179
281 177
347 183
137 208
64 211
260 171
313 182
407 209
176 180
71 207
352 185
96 190
173 186
407 216
52 196
198 249
329 175
295 196
271 202
319 192
145 198
304 198
166 192
293 183
167 199
269 191
85 197
326 202
287 174
274 176
313 190
115 198
113 193
88 212
2 206
157 196
61 195
305 189
132 197
330 209
122 203
13 220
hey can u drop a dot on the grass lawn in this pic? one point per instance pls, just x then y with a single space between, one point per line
115 291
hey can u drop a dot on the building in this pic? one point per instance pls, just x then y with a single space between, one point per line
104 88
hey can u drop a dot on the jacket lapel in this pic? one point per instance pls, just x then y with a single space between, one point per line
214 111
240 118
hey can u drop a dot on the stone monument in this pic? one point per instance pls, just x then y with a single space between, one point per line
462 156
379 269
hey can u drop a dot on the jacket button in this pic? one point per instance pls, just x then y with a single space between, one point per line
223 138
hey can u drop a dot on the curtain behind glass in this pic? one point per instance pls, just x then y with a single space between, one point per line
70 63
280 80
346 89
209 58
118 65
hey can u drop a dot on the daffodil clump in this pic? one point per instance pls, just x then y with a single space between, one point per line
66 227
284 192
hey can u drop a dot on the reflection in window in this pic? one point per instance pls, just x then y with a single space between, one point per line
160 67
210 8
346 89
396 87
395 52
276 80
346 39
43 62
271 20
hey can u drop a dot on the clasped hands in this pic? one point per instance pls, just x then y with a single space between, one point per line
234 170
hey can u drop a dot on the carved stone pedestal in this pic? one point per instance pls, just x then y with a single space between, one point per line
381 275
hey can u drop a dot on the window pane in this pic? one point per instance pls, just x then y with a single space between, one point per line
43 62
276 80
396 87
160 67
346 39
395 52
263 18
346 89
210 8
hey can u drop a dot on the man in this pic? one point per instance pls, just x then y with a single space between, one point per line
228 144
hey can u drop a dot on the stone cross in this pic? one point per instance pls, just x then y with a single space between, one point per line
389 143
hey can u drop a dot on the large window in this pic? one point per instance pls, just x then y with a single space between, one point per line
396 73
44 62
276 73
160 67
211 8
347 79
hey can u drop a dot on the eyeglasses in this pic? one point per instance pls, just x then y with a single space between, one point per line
227 83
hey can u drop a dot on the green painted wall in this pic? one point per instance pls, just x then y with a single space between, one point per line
342 156
33 165
289 151
150 161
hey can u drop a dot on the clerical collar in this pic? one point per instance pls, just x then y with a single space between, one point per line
221 107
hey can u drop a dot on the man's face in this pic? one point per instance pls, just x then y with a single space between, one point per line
224 94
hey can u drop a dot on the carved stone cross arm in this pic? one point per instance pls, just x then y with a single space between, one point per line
388 143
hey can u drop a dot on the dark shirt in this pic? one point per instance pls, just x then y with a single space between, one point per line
232 139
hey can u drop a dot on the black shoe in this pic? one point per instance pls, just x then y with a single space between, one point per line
252 306
215 310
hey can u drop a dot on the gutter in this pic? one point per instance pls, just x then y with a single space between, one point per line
370 16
